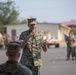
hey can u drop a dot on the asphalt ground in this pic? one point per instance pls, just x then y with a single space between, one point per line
54 62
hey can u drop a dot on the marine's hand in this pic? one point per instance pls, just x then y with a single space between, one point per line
44 46
33 32
45 42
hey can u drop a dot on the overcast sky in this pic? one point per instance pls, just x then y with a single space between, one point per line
47 10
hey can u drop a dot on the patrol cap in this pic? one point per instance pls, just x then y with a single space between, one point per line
32 21
13 45
13 48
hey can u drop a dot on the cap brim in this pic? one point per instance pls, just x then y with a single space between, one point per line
14 44
33 23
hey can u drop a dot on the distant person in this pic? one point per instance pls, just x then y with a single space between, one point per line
16 39
65 37
0 35
11 66
1 40
8 39
4 39
70 45
32 44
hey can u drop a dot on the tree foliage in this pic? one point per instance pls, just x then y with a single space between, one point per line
8 13
23 21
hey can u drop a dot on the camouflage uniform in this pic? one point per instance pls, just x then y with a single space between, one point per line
31 56
70 47
14 68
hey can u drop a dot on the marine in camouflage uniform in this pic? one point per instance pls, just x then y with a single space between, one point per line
12 67
31 56
70 46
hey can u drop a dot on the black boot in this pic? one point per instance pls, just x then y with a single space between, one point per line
67 59
72 58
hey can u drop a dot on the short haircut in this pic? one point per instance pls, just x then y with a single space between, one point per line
13 49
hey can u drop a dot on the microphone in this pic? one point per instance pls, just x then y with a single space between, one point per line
34 36
33 29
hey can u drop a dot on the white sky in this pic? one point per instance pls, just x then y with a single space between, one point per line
47 10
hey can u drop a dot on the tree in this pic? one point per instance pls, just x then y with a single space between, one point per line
8 13
23 21
1 27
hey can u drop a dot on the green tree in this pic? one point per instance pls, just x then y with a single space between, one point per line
8 12
1 28
23 21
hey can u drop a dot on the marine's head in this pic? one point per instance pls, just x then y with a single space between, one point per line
13 50
32 23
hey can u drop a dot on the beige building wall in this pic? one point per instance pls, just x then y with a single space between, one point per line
19 28
52 28
62 30
56 30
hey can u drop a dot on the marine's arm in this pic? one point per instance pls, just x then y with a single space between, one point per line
27 38
44 45
25 41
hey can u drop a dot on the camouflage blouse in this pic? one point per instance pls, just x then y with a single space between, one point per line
14 68
32 51
70 41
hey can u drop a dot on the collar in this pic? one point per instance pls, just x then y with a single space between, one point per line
9 61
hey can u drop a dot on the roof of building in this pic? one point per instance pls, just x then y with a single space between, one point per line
70 23
37 23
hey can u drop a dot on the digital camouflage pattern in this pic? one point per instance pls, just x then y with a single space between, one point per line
14 68
31 55
70 41
70 47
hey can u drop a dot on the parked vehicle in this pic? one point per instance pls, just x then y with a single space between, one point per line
53 41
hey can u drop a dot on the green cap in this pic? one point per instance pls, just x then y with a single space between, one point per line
13 45
13 48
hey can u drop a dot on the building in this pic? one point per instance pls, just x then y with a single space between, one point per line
63 30
56 29
71 24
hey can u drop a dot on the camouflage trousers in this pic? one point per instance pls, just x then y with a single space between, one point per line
70 51
35 69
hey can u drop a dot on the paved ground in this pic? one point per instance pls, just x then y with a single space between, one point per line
54 62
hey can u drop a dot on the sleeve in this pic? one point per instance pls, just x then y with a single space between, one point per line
21 38
44 37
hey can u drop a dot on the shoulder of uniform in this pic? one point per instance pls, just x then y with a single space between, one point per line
24 31
25 69
40 33
2 65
